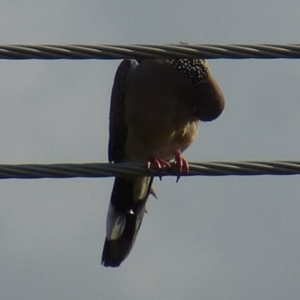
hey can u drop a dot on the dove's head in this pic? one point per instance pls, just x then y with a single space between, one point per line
209 99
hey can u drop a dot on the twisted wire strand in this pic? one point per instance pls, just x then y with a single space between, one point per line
71 170
209 51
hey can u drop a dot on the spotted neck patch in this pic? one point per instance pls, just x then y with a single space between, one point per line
195 70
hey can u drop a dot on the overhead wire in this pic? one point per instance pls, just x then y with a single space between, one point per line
97 170
208 51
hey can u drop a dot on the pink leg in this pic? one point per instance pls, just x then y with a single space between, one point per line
180 164
159 164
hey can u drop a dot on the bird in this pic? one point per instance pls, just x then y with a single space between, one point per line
155 112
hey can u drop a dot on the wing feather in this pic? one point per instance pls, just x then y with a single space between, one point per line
117 123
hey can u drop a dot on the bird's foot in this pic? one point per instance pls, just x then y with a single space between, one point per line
158 164
180 164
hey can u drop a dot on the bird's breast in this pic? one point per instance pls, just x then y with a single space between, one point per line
159 142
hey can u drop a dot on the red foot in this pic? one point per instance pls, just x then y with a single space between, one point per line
159 164
180 164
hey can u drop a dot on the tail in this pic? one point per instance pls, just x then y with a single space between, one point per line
125 214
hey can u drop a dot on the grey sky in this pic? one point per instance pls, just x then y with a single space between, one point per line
204 238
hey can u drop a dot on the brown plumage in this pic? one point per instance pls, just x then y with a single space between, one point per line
156 109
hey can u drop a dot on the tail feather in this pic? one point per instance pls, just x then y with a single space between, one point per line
125 215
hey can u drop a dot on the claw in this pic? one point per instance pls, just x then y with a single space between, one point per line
152 192
180 164
159 164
